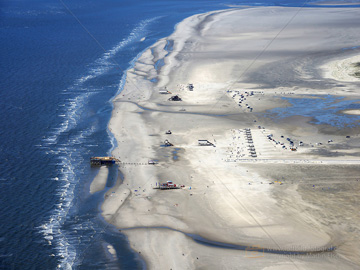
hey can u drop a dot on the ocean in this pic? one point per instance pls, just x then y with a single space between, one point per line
61 64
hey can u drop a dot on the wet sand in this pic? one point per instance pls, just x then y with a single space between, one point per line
301 197
99 182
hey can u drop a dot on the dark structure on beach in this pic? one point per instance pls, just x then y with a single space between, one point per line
98 161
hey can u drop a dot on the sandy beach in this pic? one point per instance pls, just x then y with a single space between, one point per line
271 190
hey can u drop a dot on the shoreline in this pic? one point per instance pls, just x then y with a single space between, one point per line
212 208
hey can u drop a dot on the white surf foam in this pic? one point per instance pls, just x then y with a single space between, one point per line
104 63
64 244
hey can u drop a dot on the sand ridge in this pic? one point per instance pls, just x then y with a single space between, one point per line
344 69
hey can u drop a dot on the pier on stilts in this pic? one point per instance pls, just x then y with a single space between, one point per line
99 161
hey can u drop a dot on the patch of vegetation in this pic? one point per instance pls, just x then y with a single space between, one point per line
357 74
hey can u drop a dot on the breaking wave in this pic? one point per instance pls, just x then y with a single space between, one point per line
67 143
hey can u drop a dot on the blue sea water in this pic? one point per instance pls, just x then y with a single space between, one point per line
325 110
60 67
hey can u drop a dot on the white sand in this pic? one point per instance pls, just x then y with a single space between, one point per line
343 70
231 200
111 250
353 112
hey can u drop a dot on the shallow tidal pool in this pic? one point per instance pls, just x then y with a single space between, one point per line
327 110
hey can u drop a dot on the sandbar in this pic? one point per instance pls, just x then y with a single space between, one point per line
100 180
